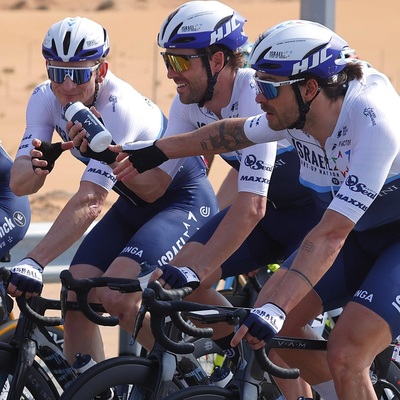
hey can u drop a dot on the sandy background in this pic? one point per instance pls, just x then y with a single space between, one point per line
371 27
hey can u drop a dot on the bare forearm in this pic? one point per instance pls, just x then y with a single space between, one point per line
23 179
69 226
220 137
316 255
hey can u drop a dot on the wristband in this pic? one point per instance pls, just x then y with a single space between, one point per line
144 158
106 155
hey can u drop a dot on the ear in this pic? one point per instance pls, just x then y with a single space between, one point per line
102 71
217 61
311 89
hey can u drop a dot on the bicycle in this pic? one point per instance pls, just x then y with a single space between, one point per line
160 373
384 372
22 374
32 364
156 375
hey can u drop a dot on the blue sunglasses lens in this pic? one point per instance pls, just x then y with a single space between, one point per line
78 76
269 91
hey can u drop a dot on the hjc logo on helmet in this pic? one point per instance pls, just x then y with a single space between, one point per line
311 62
224 30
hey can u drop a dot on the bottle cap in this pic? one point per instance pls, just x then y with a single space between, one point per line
100 141
72 108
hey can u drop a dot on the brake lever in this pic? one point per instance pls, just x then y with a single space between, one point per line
139 321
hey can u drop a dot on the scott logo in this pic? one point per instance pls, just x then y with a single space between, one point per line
224 30
311 62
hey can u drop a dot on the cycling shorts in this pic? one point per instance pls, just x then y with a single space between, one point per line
152 232
366 271
270 241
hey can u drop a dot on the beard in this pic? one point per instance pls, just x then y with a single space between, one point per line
281 121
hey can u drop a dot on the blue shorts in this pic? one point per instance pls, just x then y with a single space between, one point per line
366 271
274 238
15 217
15 211
151 232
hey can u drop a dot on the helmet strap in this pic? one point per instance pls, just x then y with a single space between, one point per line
96 93
212 80
304 108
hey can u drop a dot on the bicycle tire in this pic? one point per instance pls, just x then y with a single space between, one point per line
113 372
38 385
203 393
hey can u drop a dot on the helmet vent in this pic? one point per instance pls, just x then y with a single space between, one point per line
53 48
80 47
222 22
314 50
66 42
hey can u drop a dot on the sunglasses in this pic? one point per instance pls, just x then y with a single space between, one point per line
270 89
77 75
179 62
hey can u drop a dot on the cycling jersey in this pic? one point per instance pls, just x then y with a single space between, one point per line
359 167
15 212
256 163
131 222
289 202
357 174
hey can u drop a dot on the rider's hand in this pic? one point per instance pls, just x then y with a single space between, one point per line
179 277
106 155
26 276
261 325
45 154
144 155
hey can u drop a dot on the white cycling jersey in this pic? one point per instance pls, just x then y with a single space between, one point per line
119 105
357 173
256 162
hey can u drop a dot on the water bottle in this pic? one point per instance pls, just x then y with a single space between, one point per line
146 270
97 135
221 375
82 363
192 373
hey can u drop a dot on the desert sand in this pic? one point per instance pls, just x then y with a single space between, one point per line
371 28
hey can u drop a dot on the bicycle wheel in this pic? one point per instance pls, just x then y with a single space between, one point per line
37 387
203 393
389 388
123 371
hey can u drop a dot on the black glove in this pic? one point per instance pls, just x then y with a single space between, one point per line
106 156
50 151
144 158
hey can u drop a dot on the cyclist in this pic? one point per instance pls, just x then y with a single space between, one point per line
341 115
75 50
212 85
15 211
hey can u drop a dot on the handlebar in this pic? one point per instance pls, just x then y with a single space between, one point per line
160 302
25 305
159 309
82 287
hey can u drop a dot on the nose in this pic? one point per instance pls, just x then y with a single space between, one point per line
260 98
171 74
68 83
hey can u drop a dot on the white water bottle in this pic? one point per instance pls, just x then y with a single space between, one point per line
97 135
83 362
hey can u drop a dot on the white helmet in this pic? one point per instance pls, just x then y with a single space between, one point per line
199 24
75 39
298 46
